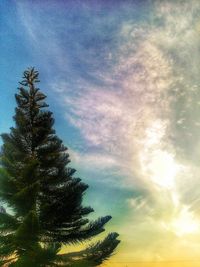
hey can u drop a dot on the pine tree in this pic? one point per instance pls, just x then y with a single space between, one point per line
42 196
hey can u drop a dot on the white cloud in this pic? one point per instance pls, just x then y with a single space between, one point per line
95 160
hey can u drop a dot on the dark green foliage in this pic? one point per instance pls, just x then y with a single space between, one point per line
44 199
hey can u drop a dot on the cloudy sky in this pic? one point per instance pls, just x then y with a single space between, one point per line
123 81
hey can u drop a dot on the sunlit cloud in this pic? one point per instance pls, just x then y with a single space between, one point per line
184 223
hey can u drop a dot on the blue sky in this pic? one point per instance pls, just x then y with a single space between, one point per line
59 40
122 79
68 42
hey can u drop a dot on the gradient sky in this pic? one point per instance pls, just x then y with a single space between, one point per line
123 81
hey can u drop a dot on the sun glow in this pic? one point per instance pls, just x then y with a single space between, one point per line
185 223
159 164
163 169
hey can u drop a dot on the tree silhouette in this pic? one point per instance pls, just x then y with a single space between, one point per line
43 198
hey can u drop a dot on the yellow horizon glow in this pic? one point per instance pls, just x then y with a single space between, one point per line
153 264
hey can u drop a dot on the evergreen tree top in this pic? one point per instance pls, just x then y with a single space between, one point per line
38 185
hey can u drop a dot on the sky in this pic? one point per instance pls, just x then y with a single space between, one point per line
122 79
